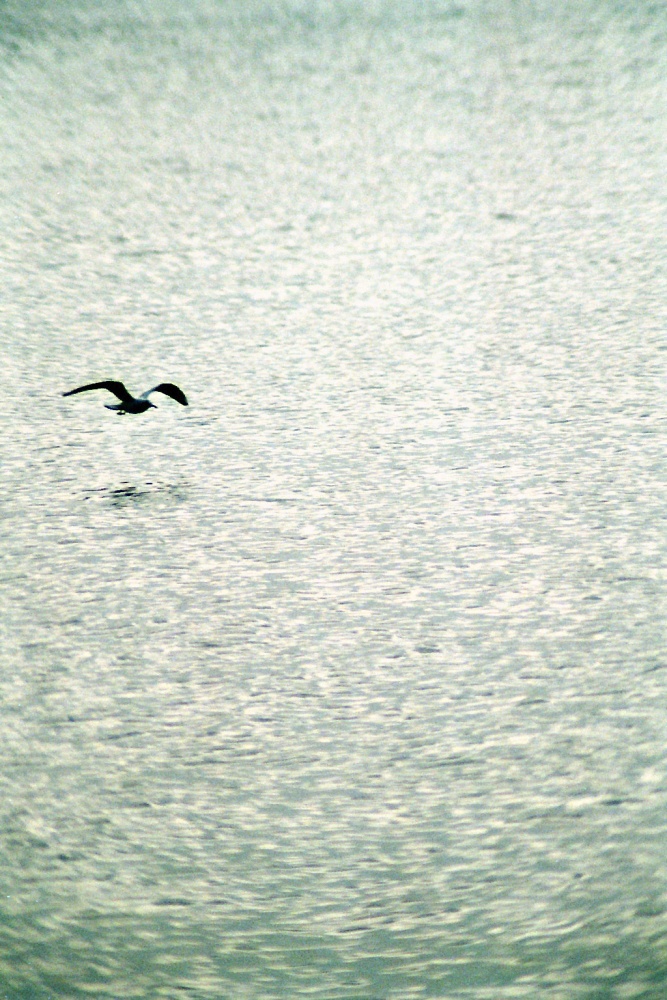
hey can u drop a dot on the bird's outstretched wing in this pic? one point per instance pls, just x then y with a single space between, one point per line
169 389
117 388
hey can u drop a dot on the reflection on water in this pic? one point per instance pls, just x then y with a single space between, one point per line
127 494
349 680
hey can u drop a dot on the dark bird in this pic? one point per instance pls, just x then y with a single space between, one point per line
128 403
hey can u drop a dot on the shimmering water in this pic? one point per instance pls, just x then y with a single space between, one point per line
349 680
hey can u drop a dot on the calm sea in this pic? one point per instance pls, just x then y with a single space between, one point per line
347 682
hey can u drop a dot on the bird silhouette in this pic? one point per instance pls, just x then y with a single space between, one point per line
128 402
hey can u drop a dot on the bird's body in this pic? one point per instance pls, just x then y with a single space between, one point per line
128 402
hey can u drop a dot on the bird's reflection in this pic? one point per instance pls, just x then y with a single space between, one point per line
128 494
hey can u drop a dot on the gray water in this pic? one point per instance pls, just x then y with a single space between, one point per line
348 680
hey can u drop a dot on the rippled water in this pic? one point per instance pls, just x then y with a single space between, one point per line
348 680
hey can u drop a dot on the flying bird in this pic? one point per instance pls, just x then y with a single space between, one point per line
128 402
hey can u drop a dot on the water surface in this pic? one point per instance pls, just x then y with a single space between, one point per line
348 680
